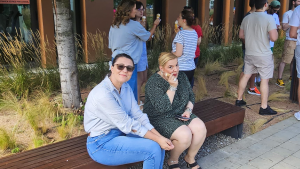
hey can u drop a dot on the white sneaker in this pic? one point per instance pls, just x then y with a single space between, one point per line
297 115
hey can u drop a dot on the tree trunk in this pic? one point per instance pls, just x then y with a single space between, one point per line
66 55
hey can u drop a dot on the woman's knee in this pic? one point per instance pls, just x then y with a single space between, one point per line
183 135
197 126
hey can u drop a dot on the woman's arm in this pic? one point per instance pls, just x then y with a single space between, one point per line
164 143
179 50
112 113
152 31
199 41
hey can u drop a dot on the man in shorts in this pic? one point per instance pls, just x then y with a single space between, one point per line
289 45
257 30
252 88
295 23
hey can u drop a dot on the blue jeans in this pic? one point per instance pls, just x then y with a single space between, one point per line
115 148
133 81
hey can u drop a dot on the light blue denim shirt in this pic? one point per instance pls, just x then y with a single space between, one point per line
128 39
106 109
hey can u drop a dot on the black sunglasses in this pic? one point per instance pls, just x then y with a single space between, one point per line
121 67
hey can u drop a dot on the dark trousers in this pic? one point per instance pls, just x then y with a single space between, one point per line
196 62
190 75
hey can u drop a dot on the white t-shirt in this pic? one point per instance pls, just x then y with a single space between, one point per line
295 21
286 19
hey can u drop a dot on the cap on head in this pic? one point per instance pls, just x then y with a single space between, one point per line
275 4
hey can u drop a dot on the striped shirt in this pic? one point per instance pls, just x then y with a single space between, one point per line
188 38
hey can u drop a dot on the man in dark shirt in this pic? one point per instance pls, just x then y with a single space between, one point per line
253 89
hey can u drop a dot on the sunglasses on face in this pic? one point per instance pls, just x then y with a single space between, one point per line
121 67
275 10
140 10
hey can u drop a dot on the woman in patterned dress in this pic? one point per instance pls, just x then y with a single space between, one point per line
169 95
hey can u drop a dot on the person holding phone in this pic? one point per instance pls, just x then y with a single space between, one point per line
169 101
119 132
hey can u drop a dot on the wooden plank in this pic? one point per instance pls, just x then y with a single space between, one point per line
217 113
94 165
47 158
44 150
50 147
221 124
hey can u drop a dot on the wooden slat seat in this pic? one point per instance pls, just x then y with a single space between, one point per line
217 116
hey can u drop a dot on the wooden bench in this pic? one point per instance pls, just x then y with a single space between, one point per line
218 116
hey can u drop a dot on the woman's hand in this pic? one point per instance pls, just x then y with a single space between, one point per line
173 81
186 114
157 21
143 23
165 143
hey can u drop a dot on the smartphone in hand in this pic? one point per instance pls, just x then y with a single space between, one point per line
181 117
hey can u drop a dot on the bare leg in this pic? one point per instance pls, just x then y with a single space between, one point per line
252 81
181 138
142 78
264 89
242 85
241 75
280 69
199 133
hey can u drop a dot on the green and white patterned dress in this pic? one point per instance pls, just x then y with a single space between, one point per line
161 113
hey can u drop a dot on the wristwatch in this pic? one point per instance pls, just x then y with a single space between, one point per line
172 88
189 110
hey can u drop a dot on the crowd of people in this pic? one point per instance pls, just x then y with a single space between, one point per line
258 32
121 133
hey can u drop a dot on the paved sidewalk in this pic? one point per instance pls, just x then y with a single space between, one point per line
276 147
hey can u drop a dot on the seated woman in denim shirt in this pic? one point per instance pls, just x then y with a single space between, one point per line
111 112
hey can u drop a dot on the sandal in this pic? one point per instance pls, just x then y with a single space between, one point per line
192 165
173 166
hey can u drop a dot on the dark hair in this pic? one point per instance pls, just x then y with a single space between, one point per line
278 6
188 16
188 8
123 12
259 4
122 55
252 3
196 20
139 4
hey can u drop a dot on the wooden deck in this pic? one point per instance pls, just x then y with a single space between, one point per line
217 116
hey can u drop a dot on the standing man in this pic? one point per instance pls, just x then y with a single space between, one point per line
257 30
252 89
273 9
295 23
289 45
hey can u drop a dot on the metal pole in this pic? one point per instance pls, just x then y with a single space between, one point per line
187 2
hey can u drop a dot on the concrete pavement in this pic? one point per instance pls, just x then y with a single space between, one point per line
276 147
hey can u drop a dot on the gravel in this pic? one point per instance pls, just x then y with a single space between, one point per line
211 144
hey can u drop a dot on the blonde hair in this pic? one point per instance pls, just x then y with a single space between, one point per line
164 57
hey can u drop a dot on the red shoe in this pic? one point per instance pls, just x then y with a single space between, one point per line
254 92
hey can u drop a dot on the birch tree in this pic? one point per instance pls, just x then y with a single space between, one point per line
66 54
